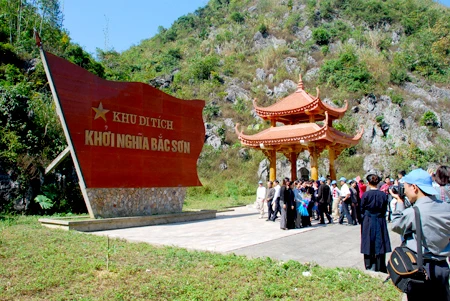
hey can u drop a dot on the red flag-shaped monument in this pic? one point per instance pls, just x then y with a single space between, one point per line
124 134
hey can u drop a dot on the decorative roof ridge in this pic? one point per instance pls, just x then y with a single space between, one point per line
319 133
355 137
335 109
260 110
314 102
300 85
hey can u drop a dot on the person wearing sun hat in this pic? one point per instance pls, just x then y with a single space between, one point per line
435 222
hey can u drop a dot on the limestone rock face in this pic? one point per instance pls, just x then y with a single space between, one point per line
211 136
229 123
234 92
223 166
303 34
163 81
291 64
260 74
262 41
243 154
312 74
284 88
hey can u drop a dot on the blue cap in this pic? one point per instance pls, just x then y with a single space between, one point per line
350 181
422 179
322 179
333 182
260 182
343 179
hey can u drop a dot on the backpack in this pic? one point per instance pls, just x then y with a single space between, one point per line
405 267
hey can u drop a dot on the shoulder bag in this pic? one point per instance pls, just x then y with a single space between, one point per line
405 267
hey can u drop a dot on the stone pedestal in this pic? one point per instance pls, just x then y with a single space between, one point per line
121 202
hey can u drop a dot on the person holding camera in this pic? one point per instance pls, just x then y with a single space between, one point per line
435 223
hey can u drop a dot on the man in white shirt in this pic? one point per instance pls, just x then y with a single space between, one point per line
260 195
335 193
345 202
276 200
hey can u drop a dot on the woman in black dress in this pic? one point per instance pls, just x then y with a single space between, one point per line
290 204
284 200
375 241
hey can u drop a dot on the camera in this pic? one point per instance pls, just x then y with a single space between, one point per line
399 189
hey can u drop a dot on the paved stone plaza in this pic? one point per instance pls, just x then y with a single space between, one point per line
240 231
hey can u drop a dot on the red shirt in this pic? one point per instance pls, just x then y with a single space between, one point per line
362 189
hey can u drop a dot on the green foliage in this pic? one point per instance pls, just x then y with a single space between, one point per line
347 124
379 119
396 98
240 106
237 17
411 157
349 165
78 56
420 59
202 67
321 35
43 201
372 12
211 111
263 29
346 72
429 118
8 55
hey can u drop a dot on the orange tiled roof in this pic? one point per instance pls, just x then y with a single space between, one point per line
298 134
298 106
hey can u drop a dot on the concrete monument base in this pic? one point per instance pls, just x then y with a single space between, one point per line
126 202
86 224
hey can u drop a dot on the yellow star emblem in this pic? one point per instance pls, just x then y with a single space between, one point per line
100 112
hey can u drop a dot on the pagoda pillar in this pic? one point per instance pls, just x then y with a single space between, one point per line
272 157
314 164
293 160
332 157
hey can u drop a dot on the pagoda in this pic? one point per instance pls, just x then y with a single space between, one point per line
300 114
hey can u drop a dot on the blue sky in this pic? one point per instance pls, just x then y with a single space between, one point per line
119 24
126 22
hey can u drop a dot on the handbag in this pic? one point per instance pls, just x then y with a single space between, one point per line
405 267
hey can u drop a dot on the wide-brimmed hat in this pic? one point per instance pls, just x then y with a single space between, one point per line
421 179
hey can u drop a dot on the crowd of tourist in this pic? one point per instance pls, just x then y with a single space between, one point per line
373 204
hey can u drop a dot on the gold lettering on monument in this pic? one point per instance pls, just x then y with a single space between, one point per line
108 139
121 117
142 120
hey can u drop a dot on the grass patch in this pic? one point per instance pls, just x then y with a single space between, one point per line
38 263
212 202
